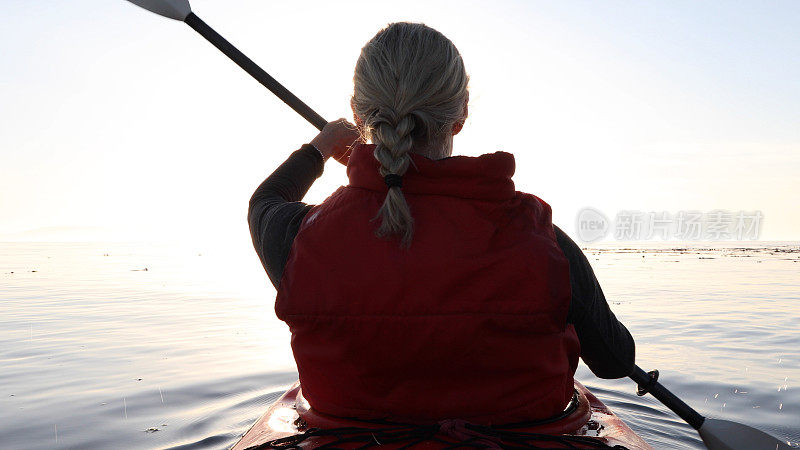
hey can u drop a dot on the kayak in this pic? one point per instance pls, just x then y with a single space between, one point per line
587 423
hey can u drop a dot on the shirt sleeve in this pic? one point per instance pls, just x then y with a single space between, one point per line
606 345
276 212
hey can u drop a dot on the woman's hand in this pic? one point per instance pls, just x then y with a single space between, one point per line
336 140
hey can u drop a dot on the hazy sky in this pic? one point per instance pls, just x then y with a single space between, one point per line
123 122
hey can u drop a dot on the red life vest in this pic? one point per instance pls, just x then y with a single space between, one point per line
469 323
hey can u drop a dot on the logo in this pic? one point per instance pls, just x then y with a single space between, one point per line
591 225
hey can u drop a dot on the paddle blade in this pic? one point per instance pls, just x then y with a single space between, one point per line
173 9
725 435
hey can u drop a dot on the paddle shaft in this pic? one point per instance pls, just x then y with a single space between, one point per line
669 399
256 72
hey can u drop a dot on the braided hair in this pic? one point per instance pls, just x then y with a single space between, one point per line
410 88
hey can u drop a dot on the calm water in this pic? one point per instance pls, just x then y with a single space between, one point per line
97 352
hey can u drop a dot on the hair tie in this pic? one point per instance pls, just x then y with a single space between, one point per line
393 180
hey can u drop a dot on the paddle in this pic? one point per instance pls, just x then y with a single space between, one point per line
180 10
716 434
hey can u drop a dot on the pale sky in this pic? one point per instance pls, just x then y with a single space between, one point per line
126 124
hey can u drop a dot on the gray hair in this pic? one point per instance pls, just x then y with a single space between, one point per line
410 88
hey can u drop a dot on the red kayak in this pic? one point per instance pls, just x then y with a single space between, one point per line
587 423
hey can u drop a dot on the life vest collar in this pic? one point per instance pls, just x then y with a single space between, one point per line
485 177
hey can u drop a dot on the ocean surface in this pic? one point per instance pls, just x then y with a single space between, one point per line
114 345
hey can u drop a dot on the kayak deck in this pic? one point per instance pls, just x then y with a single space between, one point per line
281 418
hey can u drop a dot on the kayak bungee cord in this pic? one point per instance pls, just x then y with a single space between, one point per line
716 434
467 434
411 435
330 432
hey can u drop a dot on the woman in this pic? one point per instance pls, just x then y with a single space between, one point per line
427 288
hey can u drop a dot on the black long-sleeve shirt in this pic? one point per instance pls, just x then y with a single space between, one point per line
276 213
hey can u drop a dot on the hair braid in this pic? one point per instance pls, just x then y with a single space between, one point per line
393 143
410 88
